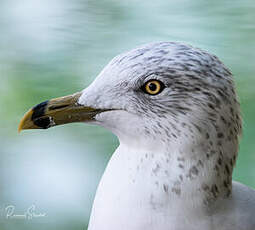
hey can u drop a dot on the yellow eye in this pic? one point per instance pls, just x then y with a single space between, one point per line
153 87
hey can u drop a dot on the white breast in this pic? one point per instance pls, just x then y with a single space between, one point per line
134 194
131 196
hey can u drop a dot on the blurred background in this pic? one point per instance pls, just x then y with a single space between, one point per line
51 48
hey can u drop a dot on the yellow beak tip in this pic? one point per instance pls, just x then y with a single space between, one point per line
20 128
24 123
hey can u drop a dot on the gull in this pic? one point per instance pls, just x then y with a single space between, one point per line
176 114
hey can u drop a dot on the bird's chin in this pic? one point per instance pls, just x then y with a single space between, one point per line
118 121
110 117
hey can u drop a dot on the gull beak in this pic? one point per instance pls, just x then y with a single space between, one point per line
57 111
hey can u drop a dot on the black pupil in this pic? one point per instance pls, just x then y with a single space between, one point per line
152 86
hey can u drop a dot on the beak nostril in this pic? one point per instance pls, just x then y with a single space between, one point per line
54 107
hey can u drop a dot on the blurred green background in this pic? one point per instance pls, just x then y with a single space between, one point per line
51 48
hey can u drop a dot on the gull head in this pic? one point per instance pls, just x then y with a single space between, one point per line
166 92
164 96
